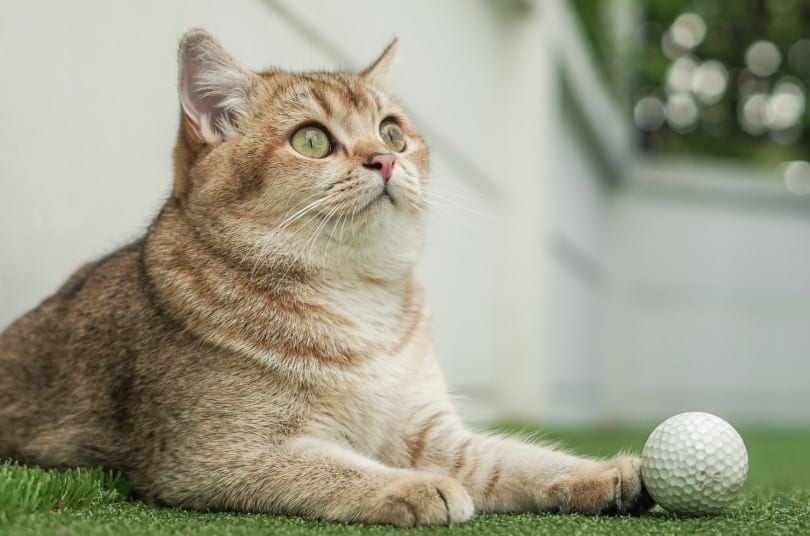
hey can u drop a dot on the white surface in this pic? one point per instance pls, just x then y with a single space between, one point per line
694 463
707 295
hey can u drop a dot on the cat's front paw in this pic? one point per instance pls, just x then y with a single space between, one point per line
614 487
422 499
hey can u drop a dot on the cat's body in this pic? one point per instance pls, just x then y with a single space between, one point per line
265 347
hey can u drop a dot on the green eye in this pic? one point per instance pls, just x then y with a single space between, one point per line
392 135
311 141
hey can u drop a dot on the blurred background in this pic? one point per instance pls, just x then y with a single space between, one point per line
621 228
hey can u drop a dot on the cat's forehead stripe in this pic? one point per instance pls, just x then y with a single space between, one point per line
348 92
376 97
336 96
322 101
328 90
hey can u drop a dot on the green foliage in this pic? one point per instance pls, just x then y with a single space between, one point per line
731 27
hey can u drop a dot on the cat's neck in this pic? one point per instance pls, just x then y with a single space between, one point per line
283 311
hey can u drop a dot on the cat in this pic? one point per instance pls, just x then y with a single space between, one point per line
265 347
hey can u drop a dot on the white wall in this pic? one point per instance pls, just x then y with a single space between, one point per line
584 141
708 295
574 247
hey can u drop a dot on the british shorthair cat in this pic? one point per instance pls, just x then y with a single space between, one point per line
265 347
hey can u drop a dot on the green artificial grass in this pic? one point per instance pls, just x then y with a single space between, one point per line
31 489
775 500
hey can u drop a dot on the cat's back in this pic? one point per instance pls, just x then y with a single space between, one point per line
107 289
64 364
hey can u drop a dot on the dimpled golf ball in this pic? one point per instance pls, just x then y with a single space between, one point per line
694 463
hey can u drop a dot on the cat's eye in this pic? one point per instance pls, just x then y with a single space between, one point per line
392 135
311 141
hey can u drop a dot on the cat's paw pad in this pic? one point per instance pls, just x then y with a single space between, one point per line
423 499
612 488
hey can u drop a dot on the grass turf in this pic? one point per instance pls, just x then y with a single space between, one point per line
775 500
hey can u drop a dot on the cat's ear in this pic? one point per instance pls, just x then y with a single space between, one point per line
214 87
378 70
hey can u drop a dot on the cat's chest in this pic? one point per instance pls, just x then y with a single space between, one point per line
365 407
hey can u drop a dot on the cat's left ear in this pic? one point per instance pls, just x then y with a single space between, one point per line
379 68
214 87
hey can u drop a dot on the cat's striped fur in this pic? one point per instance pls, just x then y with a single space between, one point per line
265 346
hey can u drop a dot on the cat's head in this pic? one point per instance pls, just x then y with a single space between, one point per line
320 170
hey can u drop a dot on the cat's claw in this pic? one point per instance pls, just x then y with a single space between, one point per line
422 499
613 488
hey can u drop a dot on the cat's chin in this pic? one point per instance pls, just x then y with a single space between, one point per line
381 201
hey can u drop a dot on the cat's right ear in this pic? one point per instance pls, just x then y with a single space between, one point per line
377 71
214 87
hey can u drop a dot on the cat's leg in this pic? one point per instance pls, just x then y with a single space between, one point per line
507 475
314 478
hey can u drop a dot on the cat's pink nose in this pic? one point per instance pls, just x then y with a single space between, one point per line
382 162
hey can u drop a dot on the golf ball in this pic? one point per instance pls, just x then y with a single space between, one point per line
694 463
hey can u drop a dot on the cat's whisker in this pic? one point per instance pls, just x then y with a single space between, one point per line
257 251
270 241
260 243
455 190
259 258
341 206
290 210
331 214
328 219
275 244
443 206
291 219
345 217
444 196
413 196
416 207
462 193
305 249
448 202
269 244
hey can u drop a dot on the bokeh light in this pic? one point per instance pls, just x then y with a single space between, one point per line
728 78
784 108
763 58
682 112
680 74
753 114
796 175
709 81
688 30
649 114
